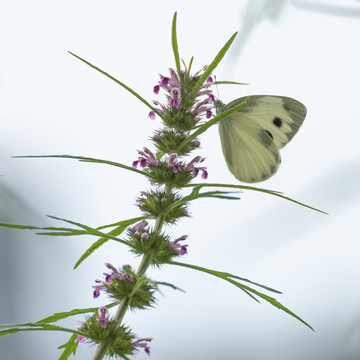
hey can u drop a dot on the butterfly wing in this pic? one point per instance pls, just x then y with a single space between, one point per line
249 151
281 116
251 137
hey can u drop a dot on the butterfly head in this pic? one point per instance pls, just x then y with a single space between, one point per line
219 106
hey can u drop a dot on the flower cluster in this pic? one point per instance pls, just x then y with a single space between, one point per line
124 282
142 239
115 274
158 170
178 88
100 326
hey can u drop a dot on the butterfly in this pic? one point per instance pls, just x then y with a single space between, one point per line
252 136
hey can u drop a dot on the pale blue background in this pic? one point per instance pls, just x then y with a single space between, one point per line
50 103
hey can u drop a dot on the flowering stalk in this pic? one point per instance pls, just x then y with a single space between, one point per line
167 171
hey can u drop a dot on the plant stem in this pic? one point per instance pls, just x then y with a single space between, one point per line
145 263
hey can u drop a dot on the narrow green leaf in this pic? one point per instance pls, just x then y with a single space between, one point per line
69 347
215 119
224 275
85 159
156 283
65 314
175 45
120 227
120 83
228 277
213 65
229 83
125 223
72 233
190 64
96 245
195 194
36 327
90 230
271 192
57 231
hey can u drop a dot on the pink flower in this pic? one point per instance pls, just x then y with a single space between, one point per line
142 343
80 339
180 249
103 315
151 115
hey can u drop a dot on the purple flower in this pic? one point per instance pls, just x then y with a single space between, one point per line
120 275
146 158
125 275
151 115
164 81
172 87
209 80
103 315
142 343
115 274
80 339
204 174
145 236
195 169
172 164
180 249
98 288
193 162
175 97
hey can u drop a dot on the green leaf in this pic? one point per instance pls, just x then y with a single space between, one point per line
69 347
271 192
120 227
215 119
195 194
175 45
213 65
85 159
74 312
229 83
251 292
58 231
120 83
15 328
125 223
89 230
156 283
65 314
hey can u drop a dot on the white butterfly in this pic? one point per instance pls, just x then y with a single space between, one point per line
251 137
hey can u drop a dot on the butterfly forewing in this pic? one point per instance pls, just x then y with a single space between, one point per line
281 116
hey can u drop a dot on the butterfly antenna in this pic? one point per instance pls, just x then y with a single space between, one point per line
217 89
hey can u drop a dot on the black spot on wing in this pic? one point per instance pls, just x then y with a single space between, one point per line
277 122
288 106
270 134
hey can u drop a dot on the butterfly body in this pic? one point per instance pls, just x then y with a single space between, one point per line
251 137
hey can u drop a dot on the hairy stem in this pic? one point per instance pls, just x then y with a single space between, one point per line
145 263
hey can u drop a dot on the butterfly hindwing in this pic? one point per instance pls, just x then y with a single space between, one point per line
251 137
249 151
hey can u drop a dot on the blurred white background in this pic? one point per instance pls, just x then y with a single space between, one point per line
51 103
